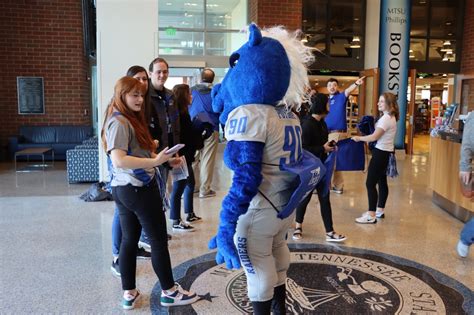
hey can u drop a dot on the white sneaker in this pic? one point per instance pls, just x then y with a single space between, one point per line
366 218
463 250
183 227
178 297
145 246
380 214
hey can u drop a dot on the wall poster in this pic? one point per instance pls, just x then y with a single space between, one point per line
30 95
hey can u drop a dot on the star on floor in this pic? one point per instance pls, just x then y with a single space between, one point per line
207 297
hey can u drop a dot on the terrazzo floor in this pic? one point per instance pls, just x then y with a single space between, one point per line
55 249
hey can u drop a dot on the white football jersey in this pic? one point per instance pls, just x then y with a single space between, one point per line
280 130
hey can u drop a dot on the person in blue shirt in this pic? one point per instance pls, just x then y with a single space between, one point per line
336 121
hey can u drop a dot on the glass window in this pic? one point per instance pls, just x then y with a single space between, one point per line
223 44
443 18
442 50
345 46
314 16
181 13
181 42
201 27
417 49
345 16
317 41
419 18
226 14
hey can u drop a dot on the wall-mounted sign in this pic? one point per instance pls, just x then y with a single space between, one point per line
30 95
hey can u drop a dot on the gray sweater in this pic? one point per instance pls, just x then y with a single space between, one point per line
467 147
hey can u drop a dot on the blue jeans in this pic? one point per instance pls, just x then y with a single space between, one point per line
185 186
116 233
467 233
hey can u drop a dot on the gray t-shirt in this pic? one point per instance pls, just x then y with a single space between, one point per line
120 135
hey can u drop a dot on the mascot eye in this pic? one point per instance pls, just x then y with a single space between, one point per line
234 59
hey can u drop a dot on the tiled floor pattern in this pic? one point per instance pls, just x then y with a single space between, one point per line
55 251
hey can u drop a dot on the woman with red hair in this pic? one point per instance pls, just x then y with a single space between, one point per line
131 148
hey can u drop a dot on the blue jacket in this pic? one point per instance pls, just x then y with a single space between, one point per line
201 106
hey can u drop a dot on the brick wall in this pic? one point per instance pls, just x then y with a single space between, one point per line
271 12
45 39
467 61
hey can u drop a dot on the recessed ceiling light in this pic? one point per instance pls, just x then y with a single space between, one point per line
449 23
169 3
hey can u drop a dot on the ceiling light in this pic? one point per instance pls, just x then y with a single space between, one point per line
356 19
445 58
449 52
169 3
190 4
445 75
411 50
412 56
448 23
447 43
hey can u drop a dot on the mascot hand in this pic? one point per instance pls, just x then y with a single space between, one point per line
226 251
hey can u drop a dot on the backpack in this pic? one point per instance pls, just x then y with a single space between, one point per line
97 192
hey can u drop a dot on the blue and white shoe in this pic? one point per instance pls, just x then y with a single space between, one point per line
129 301
178 297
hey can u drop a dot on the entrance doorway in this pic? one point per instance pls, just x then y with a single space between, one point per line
429 95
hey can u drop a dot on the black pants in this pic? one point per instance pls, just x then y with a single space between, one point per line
142 207
325 205
377 175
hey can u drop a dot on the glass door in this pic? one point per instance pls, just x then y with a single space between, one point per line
411 113
369 93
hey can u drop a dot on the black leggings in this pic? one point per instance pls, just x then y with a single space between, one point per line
377 175
325 205
142 207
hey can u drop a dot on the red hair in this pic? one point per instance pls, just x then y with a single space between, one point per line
124 86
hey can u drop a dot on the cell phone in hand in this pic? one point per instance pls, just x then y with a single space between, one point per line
175 149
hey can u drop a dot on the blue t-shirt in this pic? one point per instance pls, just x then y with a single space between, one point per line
336 119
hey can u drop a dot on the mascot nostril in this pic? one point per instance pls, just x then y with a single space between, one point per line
272 173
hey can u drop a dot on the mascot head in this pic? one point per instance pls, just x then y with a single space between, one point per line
268 69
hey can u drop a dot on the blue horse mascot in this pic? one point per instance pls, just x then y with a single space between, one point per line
266 83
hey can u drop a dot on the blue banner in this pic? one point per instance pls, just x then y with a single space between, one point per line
393 57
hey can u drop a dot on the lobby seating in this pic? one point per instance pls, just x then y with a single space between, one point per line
59 138
82 162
